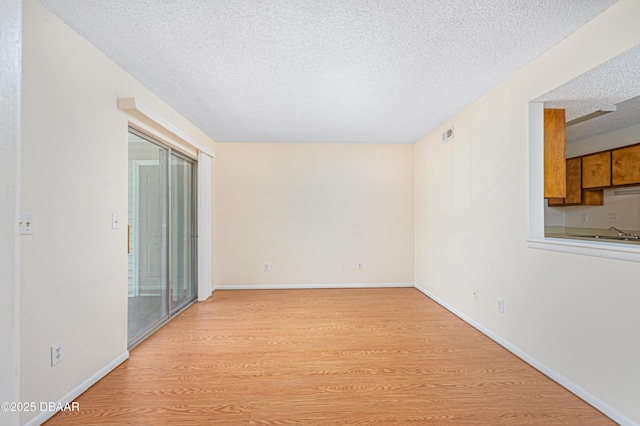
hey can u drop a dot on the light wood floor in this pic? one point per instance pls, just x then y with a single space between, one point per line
347 356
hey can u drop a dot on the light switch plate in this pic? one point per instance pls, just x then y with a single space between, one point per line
115 221
25 224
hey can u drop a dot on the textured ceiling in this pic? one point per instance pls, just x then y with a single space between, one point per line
626 115
616 82
323 70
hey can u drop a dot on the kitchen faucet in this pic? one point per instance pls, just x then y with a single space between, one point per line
620 233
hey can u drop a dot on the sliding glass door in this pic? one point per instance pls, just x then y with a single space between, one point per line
161 235
182 233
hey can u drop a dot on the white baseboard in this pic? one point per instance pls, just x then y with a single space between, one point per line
309 286
606 409
75 392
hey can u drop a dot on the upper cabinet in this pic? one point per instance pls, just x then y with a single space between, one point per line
555 174
596 170
626 165
588 176
582 180
576 195
574 181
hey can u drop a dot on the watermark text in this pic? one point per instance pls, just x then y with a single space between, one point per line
39 406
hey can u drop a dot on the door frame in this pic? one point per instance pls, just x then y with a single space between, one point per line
174 310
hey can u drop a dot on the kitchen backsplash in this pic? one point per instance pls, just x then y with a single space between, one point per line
627 208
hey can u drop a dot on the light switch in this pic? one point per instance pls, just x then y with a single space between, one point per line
115 221
25 224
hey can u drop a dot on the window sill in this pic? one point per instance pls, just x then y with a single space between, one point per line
597 249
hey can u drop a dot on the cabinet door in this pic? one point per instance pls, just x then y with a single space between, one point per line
574 181
626 165
596 170
593 197
556 202
555 144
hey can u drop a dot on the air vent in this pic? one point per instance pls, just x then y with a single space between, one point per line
448 134
634 190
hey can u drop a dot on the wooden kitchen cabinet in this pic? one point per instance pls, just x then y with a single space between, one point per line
556 202
625 164
592 197
555 145
574 181
575 194
596 170
573 184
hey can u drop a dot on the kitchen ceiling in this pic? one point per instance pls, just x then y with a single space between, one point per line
627 114
615 82
359 71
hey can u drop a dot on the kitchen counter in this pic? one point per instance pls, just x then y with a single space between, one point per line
606 236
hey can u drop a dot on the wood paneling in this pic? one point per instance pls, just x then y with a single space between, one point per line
596 170
554 153
335 356
626 165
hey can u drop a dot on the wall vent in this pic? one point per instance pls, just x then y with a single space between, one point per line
448 134
634 190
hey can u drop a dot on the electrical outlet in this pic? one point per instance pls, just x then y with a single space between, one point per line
585 217
500 305
359 265
613 217
57 354
475 293
266 267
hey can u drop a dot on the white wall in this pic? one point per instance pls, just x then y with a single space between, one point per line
611 140
312 211
10 47
576 315
74 176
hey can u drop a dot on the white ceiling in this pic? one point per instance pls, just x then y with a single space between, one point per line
385 71
615 82
626 115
